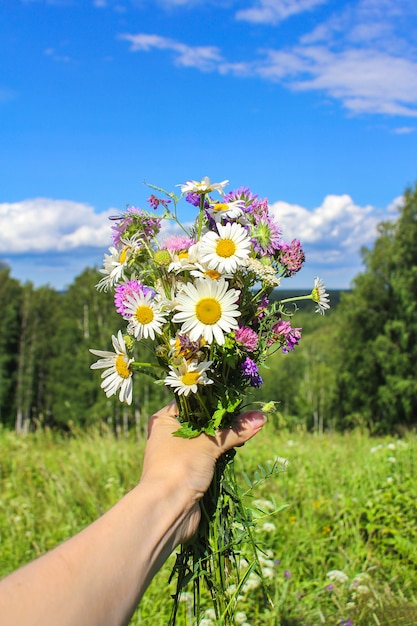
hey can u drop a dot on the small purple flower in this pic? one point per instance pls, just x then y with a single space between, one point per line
287 574
247 338
135 222
193 198
155 202
126 289
290 337
262 306
330 587
291 257
249 370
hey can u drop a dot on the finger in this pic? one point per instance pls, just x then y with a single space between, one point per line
168 414
245 427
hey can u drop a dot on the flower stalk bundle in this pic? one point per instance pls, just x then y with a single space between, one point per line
200 297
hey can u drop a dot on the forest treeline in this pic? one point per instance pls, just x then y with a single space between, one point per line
356 366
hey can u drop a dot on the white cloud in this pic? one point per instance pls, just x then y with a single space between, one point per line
363 55
338 226
204 58
42 224
365 81
275 11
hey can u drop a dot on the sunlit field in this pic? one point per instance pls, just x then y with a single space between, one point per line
343 551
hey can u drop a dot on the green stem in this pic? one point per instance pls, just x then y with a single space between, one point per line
152 365
200 217
309 297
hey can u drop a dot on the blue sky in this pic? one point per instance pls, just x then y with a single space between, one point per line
310 103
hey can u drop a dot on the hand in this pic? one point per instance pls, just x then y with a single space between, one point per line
186 466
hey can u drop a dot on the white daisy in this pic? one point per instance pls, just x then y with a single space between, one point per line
207 309
186 378
204 186
184 260
118 374
231 210
114 266
227 249
145 315
320 297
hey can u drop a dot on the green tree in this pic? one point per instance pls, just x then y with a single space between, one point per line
377 330
10 303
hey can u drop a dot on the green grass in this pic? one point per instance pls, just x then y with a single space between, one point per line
352 507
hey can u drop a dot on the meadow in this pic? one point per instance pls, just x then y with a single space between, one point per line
342 551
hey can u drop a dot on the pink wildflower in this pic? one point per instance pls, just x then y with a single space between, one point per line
247 337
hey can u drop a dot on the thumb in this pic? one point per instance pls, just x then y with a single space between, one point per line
244 428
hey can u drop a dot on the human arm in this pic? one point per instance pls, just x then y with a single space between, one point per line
98 576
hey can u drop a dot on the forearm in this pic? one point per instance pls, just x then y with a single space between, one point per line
98 576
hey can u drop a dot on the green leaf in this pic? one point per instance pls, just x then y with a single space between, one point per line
187 431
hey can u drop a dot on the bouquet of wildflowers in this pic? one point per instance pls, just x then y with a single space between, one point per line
200 297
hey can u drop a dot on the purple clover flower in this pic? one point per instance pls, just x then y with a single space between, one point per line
266 235
247 337
126 289
282 331
177 243
292 257
249 370
244 194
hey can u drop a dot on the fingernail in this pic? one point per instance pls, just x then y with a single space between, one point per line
256 419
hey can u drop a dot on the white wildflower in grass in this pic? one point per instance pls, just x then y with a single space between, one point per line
144 314
240 617
253 582
391 446
337 576
268 572
207 309
391 459
114 267
117 374
320 297
204 186
268 527
225 250
264 505
186 378
210 614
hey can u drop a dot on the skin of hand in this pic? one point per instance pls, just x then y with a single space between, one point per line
98 577
190 462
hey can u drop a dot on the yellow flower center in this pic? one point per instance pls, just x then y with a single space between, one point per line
144 314
183 255
123 254
225 248
315 295
122 367
208 311
220 206
190 378
213 274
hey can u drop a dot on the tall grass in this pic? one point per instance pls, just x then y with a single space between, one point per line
343 551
